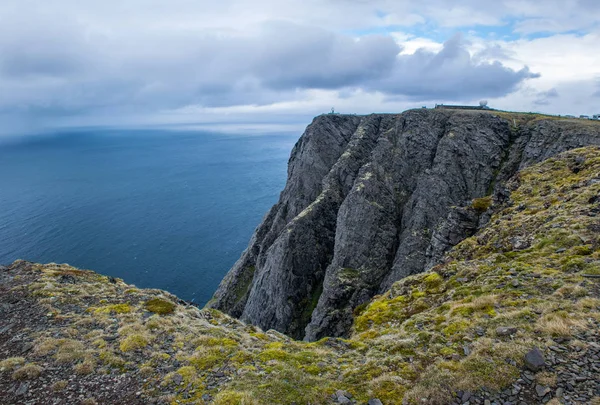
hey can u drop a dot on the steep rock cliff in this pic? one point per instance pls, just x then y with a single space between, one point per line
372 199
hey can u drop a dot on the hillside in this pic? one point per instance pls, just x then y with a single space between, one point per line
370 200
509 315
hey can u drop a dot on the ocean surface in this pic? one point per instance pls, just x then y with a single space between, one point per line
160 209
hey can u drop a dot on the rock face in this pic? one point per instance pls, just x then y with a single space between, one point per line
372 199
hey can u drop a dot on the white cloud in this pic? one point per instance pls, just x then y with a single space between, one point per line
151 61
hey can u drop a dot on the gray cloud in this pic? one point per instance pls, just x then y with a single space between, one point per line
597 92
451 74
552 93
493 52
62 66
73 58
544 97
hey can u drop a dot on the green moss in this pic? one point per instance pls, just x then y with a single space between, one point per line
160 306
69 351
433 281
447 351
417 294
242 357
274 354
389 391
11 363
229 397
574 265
482 204
584 250
27 372
113 309
455 328
207 359
111 359
133 342
380 311
259 335
493 373
212 341
349 274
188 373
244 282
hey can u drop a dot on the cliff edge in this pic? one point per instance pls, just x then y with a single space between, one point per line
370 200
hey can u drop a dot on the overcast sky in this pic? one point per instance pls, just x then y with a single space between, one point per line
247 64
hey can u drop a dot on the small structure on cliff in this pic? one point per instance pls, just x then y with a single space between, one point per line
482 106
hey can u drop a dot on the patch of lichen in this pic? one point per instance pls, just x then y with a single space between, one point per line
160 306
428 336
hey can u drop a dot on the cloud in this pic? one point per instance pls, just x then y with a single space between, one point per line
552 93
543 97
451 73
73 68
291 56
113 60
597 86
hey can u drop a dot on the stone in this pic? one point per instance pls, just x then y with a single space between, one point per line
343 393
343 397
6 328
506 330
26 347
519 243
23 387
343 400
177 378
534 359
374 401
541 390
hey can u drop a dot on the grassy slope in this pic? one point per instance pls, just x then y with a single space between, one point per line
430 335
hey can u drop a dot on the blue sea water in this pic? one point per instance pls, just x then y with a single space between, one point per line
160 209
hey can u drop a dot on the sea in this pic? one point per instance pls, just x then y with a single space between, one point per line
161 209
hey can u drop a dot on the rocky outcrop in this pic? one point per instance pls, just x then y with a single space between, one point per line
372 199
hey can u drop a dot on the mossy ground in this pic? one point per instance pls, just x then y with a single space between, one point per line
429 336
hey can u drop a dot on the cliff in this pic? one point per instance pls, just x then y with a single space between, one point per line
511 315
372 199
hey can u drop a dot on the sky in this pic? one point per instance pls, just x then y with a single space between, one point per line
275 64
